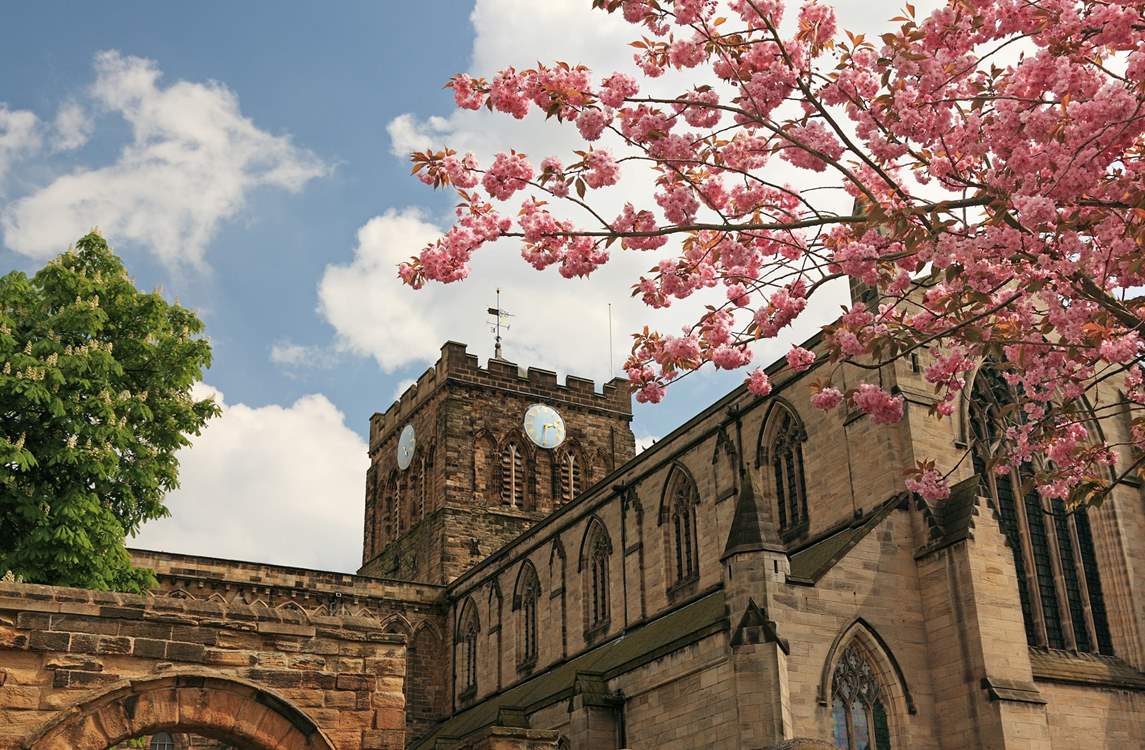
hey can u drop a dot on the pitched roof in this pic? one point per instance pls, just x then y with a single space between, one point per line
812 561
952 519
751 529
649 641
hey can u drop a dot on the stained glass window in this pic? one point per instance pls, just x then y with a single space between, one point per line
857 711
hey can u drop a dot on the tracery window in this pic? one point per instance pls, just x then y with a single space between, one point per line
512 476
468 632
1053 549
858 714
785 452
570 476
680 499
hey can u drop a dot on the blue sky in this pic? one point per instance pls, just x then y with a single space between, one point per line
250 160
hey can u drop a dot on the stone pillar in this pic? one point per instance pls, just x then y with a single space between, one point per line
755 567
985 696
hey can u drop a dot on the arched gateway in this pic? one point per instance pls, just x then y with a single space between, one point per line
231 710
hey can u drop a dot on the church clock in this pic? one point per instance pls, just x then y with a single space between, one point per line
406 443
544 426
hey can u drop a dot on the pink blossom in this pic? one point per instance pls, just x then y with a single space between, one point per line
930 484
758 383
685 54
508 174
800 359
602 169
817 22
826 398
592 122
1122 349
730 356
507 95
880 405
616 88
814 136
466 92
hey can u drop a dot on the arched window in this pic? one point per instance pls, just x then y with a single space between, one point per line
425 471
595 552
468 630
525 601
1058 581
512 476
571 466
679 510
784 452
858 715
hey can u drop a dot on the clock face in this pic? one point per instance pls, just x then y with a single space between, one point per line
544 426
406 443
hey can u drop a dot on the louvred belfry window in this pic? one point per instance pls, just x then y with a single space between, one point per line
570 470
1052 547
512 476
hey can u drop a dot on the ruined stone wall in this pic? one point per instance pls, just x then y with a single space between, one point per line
84 669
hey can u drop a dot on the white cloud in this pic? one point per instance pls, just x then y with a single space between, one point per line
559 324
402 387
298 356
19 137
192 161
274 484
72 128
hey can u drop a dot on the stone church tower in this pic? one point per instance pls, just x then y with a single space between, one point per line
469 458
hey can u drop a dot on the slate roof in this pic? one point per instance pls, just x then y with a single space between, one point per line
809 563
666 634
1052 665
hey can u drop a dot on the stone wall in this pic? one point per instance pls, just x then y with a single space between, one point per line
84 669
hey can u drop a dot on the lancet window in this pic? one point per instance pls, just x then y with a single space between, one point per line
785 453
1058 581
468 631
680 499
570 475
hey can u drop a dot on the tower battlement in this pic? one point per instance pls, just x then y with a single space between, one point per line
458 364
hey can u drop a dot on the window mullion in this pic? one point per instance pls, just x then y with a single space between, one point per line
1082 582
1060 583
1033 590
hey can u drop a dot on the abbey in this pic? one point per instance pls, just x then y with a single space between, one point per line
756 579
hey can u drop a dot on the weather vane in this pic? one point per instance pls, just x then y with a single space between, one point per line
500 320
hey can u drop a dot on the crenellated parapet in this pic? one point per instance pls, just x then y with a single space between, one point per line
458 365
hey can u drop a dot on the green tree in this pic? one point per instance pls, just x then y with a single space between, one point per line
95 400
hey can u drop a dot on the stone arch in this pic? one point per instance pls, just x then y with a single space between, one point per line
526 574
397 624
767 427
883 660
517 440
292 606
425 663
779 454
484 467
677 472
217 597
180 594
594 528
572 472
228 709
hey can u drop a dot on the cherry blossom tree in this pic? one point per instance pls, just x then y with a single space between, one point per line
992 153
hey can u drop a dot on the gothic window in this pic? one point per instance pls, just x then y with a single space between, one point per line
571 467
1054 559
784 452
858 715
679 509
525 601
512 476
425 471
468 631
594 564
